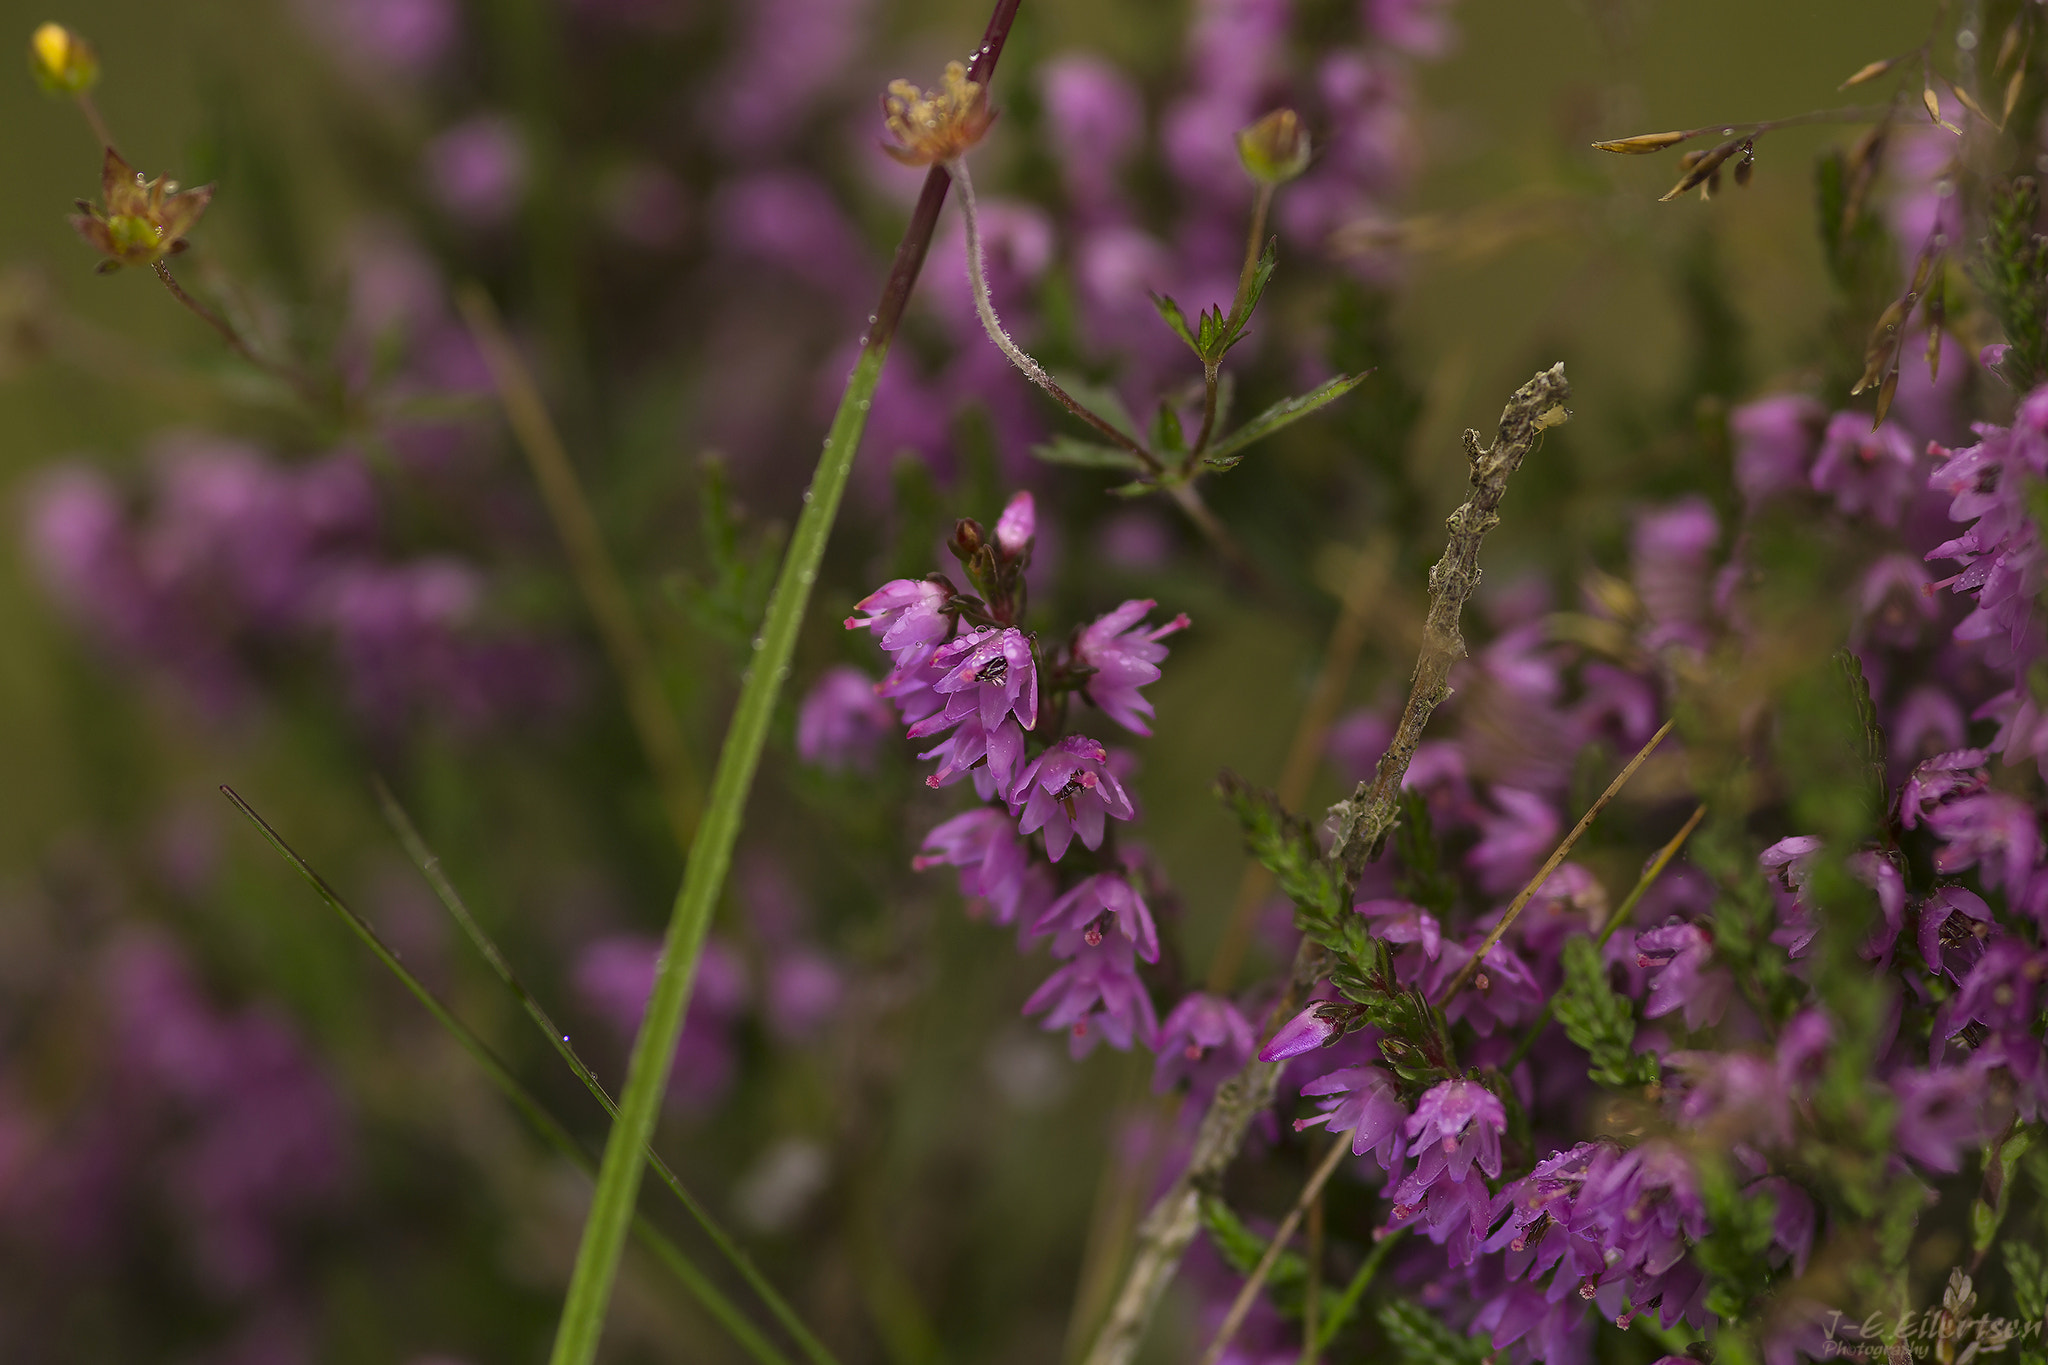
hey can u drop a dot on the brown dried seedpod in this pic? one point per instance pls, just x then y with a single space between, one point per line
2009 45
1866 159
1969 102
1746 167
2012 94
1642 143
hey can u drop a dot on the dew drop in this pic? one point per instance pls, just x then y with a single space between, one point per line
862 405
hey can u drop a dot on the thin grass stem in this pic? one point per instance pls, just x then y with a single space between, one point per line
1242 1304
618 1182
597 576
1347 1302
430 867
550 1129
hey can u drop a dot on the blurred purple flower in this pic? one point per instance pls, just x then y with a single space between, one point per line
805 989
1513 839
1868 473
1097 996
1775 439
1682 956
477 170
786 56
842 721
1671 557
983 844
385 37
1203 1040
1367 1107
1939 1115
1420 28
793 222
1096 121
614 977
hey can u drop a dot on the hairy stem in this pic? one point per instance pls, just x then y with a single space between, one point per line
429 864
984 306
618 1184
1368 817
1557 855
1249 1292
590 563
522 1099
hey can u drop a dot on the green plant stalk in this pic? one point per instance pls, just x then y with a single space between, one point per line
522 1099
1347 1303
430 867
618 1179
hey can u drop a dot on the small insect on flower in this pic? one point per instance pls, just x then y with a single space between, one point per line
143 221
936 126
63 62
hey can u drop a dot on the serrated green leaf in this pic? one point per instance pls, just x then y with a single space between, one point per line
1067 450
2027 1269
1241 314
1177 320
1137 488
1226 453
1418 1338
1209 336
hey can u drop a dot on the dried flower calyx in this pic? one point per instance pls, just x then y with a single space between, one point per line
63 62
937 125
142 221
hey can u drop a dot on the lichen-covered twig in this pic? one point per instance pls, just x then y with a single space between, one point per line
1364 821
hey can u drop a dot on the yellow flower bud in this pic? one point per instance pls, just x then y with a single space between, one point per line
63 62
1275 149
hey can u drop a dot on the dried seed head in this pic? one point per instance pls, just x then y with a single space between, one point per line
63 62
1701 167
1642 144
937 125
1869 73
139 221
1275 149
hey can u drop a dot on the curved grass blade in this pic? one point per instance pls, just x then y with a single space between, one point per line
430 867
550 1129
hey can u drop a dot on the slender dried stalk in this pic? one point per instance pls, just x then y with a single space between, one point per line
597 577
618 1182
1557 855
1242 1304
1364 821
1368 817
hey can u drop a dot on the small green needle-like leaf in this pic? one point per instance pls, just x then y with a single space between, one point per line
1227 452
1084 454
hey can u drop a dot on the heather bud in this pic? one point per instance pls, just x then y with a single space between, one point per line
1305 1032
1275 149
968 540
1016 527
63 62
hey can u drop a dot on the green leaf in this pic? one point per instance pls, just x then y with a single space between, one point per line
1239 316
1084 454
2000 1158
1286 847
2028 1270
1241 1249
1601 1023
1418 1338
1166 432
1177 320
1226 453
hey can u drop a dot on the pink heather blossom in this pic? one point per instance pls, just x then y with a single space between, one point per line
1868 473
1125 657
1940 1115
841 721
1099 905
1954 925
990 673
1774 443
1203 1040
1017 526
1682 956
983 844
908 617
1365 1106
989 756
1317 1026
1097 996
1066 790
2000 833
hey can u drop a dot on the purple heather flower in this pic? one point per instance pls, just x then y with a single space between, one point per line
1896 601
1317 1026
1514 841
376 37
1999 832
1549 1330
1954 925
790 220
1420 28
1366 1107
1793 1224
1503 992
1959 772
1926 723
783 63
1881 875
1096 995
1069 790
1456 1125
477 170
805 989
1939 1114
990 674
1098 905
1538 1231
1671 557
1398 921
1096 120
841 721
1737 1094
1017 527
1641 1206
1868 473
983 844
1997 993
990 757
1682 956
1774 443
908 617
1125 657
1203 1040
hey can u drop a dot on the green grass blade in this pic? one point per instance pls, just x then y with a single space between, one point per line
430 867
1347 1303
618 1182
708 1294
